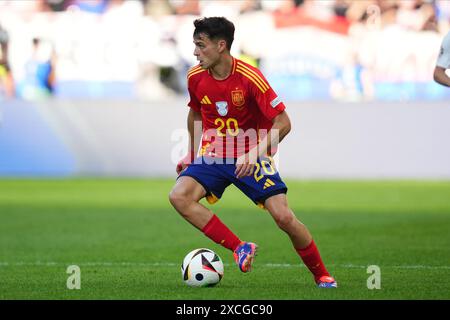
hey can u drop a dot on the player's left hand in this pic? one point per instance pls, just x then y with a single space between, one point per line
245 164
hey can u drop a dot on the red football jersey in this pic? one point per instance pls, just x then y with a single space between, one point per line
236 111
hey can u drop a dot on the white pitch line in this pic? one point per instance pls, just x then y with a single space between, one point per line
172 264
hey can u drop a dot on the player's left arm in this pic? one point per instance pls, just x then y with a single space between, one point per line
280 129
272 108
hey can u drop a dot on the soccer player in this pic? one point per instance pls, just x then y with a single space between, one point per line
232 100
443 63
6 80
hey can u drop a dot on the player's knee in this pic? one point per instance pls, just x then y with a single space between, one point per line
178 198
285 219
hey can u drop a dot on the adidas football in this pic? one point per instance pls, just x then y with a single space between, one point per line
202 268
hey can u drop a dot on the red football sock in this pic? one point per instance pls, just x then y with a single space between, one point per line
311 257
219 233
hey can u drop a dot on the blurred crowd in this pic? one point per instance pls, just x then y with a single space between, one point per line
417 14
38 74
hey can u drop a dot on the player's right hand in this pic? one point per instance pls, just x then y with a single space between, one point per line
185 162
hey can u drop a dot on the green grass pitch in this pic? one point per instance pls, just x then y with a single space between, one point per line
129 243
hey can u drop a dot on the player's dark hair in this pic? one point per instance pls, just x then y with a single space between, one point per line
215 28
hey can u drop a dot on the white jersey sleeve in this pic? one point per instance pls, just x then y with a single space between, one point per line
443 60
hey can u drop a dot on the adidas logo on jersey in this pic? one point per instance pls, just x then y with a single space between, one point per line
205 100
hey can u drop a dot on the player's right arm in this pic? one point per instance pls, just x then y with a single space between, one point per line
195 129
194 125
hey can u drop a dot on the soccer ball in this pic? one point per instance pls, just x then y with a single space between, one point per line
202 268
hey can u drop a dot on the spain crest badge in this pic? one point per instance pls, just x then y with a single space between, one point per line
237 97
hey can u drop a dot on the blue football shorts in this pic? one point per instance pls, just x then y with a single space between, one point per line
215 175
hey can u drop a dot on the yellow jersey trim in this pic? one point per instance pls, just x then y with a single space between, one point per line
251 79
233 69
195 72
196 68
264 84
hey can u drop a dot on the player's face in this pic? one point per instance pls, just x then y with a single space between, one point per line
206 51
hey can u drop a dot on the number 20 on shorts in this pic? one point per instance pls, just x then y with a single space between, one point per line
266 167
